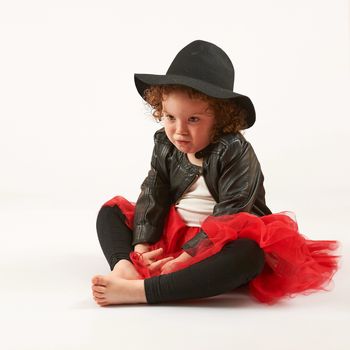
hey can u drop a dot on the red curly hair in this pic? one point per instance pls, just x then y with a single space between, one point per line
229 116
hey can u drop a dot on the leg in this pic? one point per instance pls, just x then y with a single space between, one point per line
114 235
115 240
235 265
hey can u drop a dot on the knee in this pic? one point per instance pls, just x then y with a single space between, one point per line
107 215
108 211
249 253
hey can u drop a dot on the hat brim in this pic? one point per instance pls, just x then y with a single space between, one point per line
143 81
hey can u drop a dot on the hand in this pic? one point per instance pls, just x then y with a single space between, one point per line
150 259
170 265
141 248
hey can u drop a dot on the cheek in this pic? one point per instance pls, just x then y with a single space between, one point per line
206 136
169 132
209 130
203 137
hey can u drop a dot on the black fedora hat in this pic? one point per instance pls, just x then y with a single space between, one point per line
204 67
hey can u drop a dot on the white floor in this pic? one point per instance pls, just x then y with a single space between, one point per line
49 256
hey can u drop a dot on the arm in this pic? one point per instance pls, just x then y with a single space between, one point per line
153 203
239 182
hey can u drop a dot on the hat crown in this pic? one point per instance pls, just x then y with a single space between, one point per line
204 67
204 61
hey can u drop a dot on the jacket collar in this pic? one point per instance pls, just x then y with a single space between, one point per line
205 151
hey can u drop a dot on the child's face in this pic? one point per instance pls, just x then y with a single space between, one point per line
188 122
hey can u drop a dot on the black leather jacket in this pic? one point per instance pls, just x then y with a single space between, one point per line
231 172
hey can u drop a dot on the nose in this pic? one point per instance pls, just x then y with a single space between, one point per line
181 128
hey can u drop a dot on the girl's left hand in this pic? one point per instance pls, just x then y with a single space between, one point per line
170 265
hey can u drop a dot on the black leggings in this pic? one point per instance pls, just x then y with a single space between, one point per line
235 265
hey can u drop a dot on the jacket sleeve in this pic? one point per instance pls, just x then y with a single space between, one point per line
153 203
239 180
238 183
198 243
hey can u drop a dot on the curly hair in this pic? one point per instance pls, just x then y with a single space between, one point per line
230 117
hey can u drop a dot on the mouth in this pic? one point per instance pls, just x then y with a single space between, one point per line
182 142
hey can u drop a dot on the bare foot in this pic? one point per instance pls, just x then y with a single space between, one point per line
110 289
125 269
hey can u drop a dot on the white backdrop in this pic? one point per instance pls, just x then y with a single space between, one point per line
74 132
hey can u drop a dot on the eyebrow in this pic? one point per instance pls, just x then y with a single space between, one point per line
165 111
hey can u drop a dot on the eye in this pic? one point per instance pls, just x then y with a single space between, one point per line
193 120
169 117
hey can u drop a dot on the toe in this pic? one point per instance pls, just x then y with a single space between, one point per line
98 294
100 280
102 302
94 279
97 288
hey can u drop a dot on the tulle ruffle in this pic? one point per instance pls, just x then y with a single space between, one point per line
294 264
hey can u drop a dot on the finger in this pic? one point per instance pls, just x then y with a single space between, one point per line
166 269
151 256
153 253
157 264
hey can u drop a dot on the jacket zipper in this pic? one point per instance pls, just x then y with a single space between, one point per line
210 190
192 182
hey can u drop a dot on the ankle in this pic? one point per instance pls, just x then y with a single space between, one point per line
140 293
122 262
115 258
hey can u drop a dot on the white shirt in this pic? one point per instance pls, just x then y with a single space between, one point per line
196 204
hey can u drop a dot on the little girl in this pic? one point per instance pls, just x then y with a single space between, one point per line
200 226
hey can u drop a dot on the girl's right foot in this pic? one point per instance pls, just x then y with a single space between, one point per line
109 290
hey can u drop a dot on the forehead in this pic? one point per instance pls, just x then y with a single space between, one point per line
181 103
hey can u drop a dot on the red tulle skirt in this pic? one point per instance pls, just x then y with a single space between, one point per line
293 263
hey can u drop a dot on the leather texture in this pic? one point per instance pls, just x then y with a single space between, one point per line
230 169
